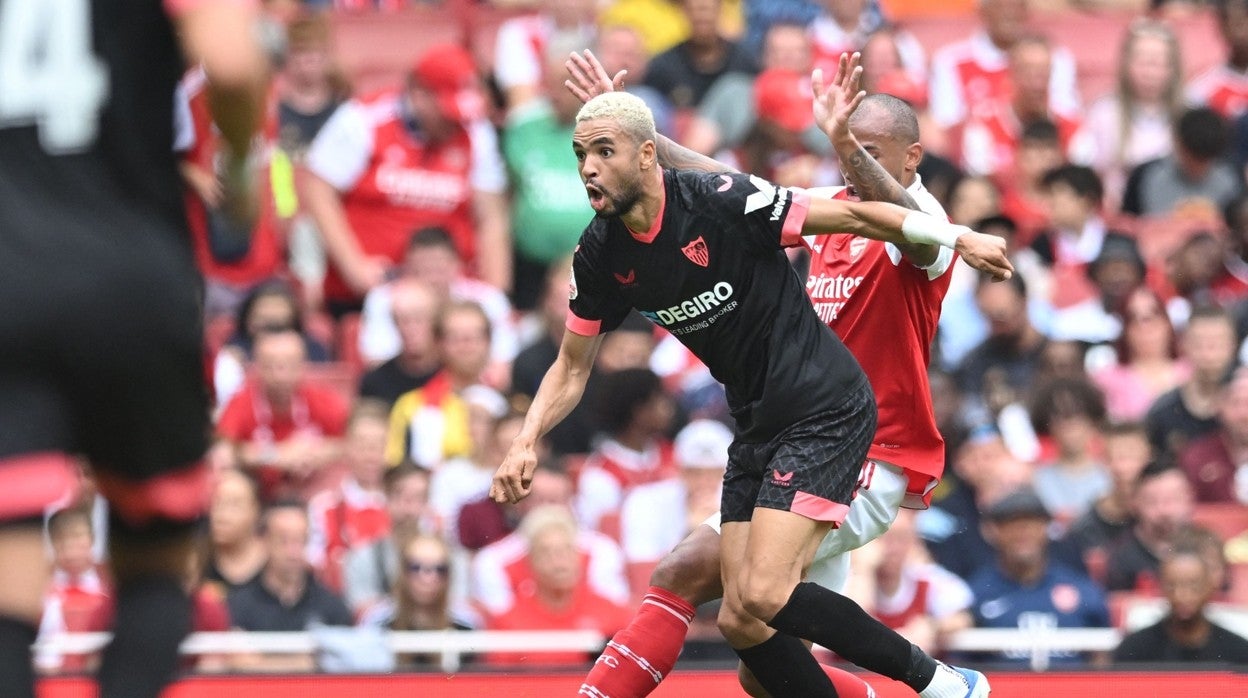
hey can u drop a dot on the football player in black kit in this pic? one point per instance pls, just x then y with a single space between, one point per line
100 321
701 255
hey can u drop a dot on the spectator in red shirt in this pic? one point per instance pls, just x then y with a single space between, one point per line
1230 286
236 551
991 133
353 514
635 414
281 426
560 597
269 307
231 259
78 588
503 572
414 157
1224 87
973 71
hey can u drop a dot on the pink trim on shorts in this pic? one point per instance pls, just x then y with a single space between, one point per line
818 508
583 327
35 481
181 495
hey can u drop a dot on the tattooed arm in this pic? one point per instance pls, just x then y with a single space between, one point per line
674 155
833 107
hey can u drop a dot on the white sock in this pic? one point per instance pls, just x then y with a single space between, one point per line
947 683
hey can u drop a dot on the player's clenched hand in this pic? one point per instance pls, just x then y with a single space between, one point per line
589 78
985 253
835 103
514 477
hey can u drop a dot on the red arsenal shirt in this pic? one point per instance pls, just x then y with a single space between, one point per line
885 309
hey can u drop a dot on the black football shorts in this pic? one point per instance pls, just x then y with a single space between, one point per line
101 342
810 468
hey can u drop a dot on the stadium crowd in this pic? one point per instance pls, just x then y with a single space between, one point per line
374 340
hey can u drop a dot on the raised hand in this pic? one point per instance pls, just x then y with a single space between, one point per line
589 79
985 253
834 103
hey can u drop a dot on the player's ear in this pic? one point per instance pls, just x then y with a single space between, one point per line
647 154
914 155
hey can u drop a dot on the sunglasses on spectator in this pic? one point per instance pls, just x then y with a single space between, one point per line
441 570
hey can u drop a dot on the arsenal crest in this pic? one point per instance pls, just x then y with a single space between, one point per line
856 246
696 252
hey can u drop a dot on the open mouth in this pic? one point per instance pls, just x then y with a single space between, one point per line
596 195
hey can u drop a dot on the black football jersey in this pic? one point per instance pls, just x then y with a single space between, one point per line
86 109
713 272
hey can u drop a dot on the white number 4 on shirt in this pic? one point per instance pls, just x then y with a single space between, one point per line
48 74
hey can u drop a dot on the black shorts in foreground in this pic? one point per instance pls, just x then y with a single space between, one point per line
101 342
810 468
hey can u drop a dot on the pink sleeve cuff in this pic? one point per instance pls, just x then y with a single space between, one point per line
791 233
583 327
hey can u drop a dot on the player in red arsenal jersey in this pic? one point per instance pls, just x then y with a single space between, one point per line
386 166
873 294
709 268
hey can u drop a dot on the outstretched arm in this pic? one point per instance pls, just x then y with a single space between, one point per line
833 105
559 392
589 79
891 223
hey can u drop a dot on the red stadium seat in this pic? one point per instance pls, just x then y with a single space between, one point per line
1227 520
377 49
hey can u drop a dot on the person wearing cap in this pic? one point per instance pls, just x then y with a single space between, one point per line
1024 589
775 147
409 158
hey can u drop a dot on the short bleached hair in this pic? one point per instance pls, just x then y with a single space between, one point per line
628 110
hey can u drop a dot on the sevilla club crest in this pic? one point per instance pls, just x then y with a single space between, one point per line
697 253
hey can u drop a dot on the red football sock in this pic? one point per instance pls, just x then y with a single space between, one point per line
639 656
848 685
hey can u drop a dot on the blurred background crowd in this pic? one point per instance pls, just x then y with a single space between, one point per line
374 341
